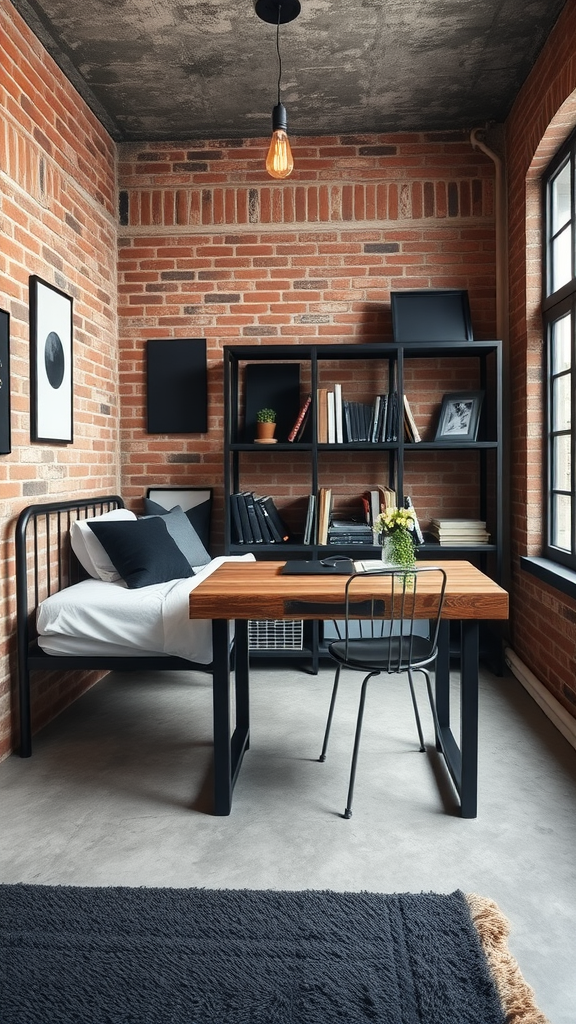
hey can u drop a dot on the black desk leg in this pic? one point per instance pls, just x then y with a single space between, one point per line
469 718
221 717
461 761
443 678
229 746
242 680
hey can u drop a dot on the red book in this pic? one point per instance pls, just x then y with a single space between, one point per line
300 418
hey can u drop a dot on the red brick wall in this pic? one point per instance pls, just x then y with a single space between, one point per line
212 248
543 620
58 220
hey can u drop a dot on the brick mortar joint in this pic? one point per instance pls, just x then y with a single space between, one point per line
287 227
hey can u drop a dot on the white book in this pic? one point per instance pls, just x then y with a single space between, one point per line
338 413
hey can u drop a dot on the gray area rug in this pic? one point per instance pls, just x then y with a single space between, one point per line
198 956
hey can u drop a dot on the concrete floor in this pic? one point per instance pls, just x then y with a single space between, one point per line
117 792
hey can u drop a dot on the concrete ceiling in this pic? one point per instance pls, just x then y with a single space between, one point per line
193 69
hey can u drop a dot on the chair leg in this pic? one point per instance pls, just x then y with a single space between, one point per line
330 713
433 709
416 713
348 808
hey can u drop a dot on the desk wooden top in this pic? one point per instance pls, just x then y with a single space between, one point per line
257 590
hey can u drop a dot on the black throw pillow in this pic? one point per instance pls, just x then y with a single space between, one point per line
144 553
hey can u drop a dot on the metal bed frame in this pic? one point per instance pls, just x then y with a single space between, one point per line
46 564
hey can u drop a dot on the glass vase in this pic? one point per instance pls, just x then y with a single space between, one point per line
398 549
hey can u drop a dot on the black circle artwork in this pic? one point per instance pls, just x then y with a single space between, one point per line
54 360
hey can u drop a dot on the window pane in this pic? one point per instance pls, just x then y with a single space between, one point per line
561 412
560 198
561 259
561 517
561 474
561 345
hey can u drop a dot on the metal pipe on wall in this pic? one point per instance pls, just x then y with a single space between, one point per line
502 323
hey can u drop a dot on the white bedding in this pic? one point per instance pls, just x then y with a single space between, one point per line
94 617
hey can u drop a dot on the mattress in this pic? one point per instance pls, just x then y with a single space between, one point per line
93 617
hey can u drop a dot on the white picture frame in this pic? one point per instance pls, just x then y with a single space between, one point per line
51 365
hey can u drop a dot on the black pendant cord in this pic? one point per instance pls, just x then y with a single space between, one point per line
278 50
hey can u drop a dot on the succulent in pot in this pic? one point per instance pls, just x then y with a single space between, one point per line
265 426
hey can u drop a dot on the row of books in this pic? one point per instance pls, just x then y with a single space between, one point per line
339 421
257 520
459 531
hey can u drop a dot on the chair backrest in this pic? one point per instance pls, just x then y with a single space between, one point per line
405 609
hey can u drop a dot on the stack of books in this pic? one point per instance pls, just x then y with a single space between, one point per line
349 531
256 519
459 531
376 501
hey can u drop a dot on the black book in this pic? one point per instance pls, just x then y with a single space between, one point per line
236 518
263 520
275 535
246 528
278 527
392 424
252 517
382 418
347 421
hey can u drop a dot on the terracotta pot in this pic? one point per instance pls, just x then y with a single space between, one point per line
265 431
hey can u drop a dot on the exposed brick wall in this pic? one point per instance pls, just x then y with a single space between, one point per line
543 620
57 220
210 248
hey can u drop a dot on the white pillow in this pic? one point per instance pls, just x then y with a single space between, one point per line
88 549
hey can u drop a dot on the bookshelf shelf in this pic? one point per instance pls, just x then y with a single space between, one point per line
442 477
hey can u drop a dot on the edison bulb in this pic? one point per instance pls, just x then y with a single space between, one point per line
279 162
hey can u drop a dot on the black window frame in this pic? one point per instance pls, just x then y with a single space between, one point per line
555 306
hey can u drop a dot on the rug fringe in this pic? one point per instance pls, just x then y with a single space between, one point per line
516 995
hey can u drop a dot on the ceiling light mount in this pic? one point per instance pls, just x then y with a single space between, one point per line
279 162
277 12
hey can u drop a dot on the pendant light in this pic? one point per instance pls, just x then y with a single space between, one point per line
279 162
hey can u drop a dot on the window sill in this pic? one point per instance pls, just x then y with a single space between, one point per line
558 576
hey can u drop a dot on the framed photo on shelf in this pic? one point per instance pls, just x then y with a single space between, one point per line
50 363
459 416
5 447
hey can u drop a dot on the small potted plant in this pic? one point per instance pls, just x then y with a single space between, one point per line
265 426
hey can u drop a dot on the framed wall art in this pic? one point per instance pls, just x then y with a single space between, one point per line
4 383
50 363
459 416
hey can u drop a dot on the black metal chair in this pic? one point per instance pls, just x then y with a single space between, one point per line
386 639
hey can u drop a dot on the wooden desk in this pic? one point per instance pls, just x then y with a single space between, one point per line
256 590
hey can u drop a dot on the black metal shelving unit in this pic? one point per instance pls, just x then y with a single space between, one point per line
394 457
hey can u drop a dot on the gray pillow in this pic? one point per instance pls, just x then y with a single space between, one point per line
184 535
198 515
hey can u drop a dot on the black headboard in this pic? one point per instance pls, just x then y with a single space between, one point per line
45 564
